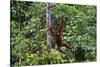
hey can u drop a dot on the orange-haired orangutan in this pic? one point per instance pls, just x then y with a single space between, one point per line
56 33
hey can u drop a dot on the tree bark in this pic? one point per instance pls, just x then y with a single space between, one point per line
48 20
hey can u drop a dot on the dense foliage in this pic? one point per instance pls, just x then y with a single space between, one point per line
28 33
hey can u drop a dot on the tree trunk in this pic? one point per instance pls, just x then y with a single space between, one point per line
48 20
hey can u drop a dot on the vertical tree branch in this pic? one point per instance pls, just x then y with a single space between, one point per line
48 20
